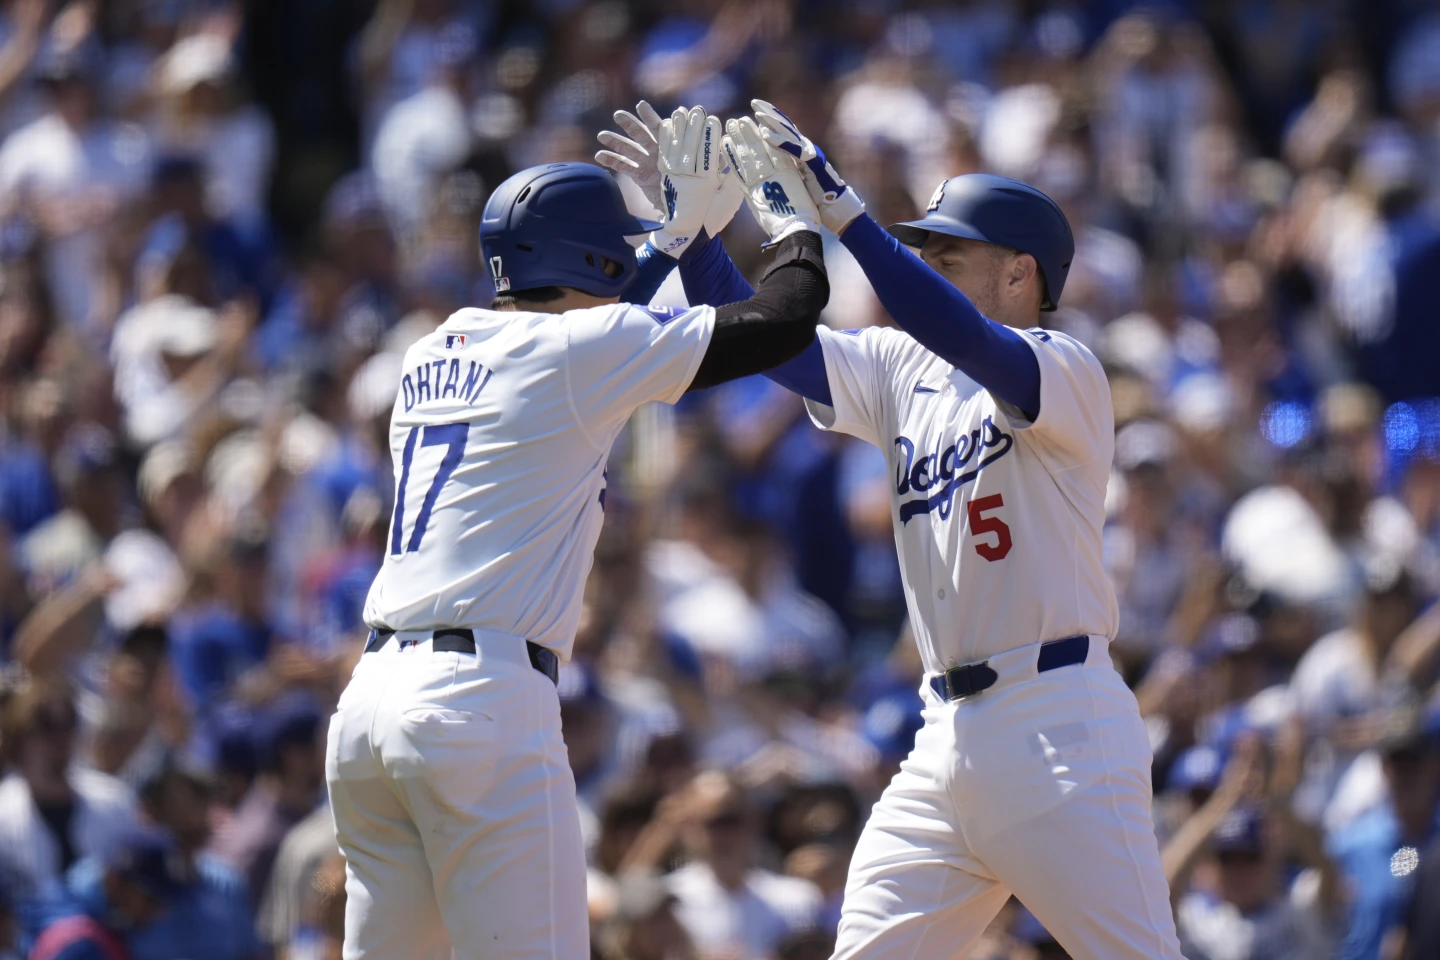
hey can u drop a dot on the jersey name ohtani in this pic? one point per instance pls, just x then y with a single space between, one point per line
985 444
441 380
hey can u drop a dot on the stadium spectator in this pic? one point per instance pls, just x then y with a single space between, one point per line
54 811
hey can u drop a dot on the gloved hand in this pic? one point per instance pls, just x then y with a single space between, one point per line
774 185
637 157
837 202
689 165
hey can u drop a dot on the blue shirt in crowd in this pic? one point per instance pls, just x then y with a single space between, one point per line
1372 856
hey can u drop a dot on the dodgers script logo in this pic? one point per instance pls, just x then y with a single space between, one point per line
985 444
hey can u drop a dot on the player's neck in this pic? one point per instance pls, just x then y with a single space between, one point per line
572 300
1021 319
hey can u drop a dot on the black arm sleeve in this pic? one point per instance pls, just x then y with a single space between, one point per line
777 323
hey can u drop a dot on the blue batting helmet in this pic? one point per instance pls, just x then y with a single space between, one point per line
982 206
554 226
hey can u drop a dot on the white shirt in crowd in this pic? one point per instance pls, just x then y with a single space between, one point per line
748 923
53 164
104 815
1291 928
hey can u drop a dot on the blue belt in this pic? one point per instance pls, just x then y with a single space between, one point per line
463 641
960 682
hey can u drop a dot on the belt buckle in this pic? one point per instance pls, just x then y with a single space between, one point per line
982 670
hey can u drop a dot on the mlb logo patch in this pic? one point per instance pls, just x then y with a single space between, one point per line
455 341
497 273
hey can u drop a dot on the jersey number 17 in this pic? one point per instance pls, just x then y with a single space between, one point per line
452 437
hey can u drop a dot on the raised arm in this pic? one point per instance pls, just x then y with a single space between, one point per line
710 276
923 303
654 158
774 325
942 319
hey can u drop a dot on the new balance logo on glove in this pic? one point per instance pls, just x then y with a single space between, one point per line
671 195
779 200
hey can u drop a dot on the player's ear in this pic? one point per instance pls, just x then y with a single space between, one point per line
1024 274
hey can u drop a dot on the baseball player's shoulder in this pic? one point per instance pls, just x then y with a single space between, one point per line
881 343
610 325
1063 342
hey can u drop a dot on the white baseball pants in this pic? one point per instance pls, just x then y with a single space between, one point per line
455 808
1040 789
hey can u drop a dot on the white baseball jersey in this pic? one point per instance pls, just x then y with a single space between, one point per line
500 435
997 519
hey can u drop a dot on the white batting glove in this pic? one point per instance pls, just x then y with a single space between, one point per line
690 162
727 202
774 186
837 202
636 155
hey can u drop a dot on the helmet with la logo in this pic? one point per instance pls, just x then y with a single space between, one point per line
993 209
560 225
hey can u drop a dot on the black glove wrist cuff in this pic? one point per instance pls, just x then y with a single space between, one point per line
802 247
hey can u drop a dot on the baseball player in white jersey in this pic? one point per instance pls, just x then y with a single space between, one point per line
1031 774
453 800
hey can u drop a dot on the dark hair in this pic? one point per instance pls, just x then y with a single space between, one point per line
170 775
507 301
42 704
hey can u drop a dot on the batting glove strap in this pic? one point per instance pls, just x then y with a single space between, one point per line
837 203
793 253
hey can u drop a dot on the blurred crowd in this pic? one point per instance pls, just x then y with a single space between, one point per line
222 224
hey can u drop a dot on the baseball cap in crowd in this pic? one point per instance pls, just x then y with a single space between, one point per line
197 59
1241 832
293 718
1144 443
1231 635
149 581
1202 402
232 733
353 201
189 330
1197 768
147 859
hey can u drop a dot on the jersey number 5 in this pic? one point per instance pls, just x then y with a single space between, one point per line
981 524
452 437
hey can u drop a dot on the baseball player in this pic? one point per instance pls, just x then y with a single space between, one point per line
453 801
1031 774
